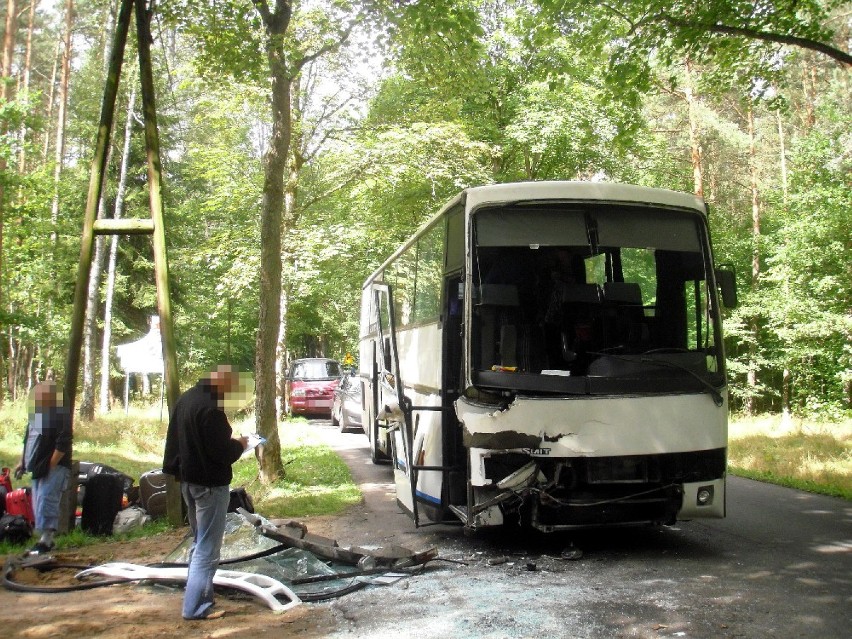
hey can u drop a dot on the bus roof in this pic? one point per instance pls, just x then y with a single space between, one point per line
604 191
565 190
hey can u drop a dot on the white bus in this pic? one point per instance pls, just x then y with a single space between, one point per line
551 353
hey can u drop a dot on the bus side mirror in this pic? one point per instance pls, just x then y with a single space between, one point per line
726 279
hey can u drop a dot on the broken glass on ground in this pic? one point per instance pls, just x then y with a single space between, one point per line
314 567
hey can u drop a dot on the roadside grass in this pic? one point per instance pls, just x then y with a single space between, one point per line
808 455
316 481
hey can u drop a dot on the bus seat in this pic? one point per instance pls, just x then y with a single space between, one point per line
508 345
623 293
498 308
627 323
580 294
499 295
570 322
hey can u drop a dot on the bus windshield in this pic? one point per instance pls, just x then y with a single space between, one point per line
592 299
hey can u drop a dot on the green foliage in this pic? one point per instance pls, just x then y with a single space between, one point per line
228 34
435 39
213 232
740 38
316 481
808 293
470 92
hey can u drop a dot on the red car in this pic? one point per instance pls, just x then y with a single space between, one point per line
310 386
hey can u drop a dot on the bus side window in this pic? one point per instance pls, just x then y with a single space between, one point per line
386 351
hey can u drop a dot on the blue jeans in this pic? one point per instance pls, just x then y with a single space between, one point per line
47 493
206 508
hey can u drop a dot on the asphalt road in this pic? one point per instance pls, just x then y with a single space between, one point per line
780 565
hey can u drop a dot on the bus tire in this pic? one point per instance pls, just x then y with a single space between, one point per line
376 455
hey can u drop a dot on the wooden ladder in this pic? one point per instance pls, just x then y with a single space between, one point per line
154 226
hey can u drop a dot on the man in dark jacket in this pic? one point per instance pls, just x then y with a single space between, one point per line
199 453
47 456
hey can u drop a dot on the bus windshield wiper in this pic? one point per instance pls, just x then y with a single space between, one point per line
714 392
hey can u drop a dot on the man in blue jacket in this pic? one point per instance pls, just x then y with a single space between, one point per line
199 453
47 456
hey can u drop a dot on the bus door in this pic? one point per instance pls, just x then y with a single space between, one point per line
393 411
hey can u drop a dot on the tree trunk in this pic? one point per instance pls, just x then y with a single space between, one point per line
782 152
113 250
87 399
291 215
810 92
694 136
5 81
750 405
10 370
281 352
275 166
59 151
25 84
45 151
787 373
9 46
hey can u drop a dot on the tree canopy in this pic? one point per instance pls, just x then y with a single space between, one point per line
381 111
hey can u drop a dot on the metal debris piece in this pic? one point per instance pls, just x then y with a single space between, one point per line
296 535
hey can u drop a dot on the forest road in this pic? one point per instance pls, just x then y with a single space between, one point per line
779 566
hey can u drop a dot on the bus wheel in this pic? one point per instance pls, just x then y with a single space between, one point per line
376 455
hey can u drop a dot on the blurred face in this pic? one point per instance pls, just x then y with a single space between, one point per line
45 395
225 378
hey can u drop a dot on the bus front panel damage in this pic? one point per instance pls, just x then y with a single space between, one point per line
544 461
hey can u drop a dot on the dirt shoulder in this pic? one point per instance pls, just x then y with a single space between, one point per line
130 611
137 611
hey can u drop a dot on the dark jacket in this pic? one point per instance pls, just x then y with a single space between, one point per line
199 447
48 429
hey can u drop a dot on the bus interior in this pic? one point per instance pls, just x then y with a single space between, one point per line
590 300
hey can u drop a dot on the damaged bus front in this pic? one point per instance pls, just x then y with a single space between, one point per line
575 373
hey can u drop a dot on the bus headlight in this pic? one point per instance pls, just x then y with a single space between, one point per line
704 496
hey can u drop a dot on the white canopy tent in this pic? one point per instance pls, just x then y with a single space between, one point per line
144 356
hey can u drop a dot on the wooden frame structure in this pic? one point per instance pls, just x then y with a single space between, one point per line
155 226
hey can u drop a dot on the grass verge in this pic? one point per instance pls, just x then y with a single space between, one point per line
316 481
811 456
